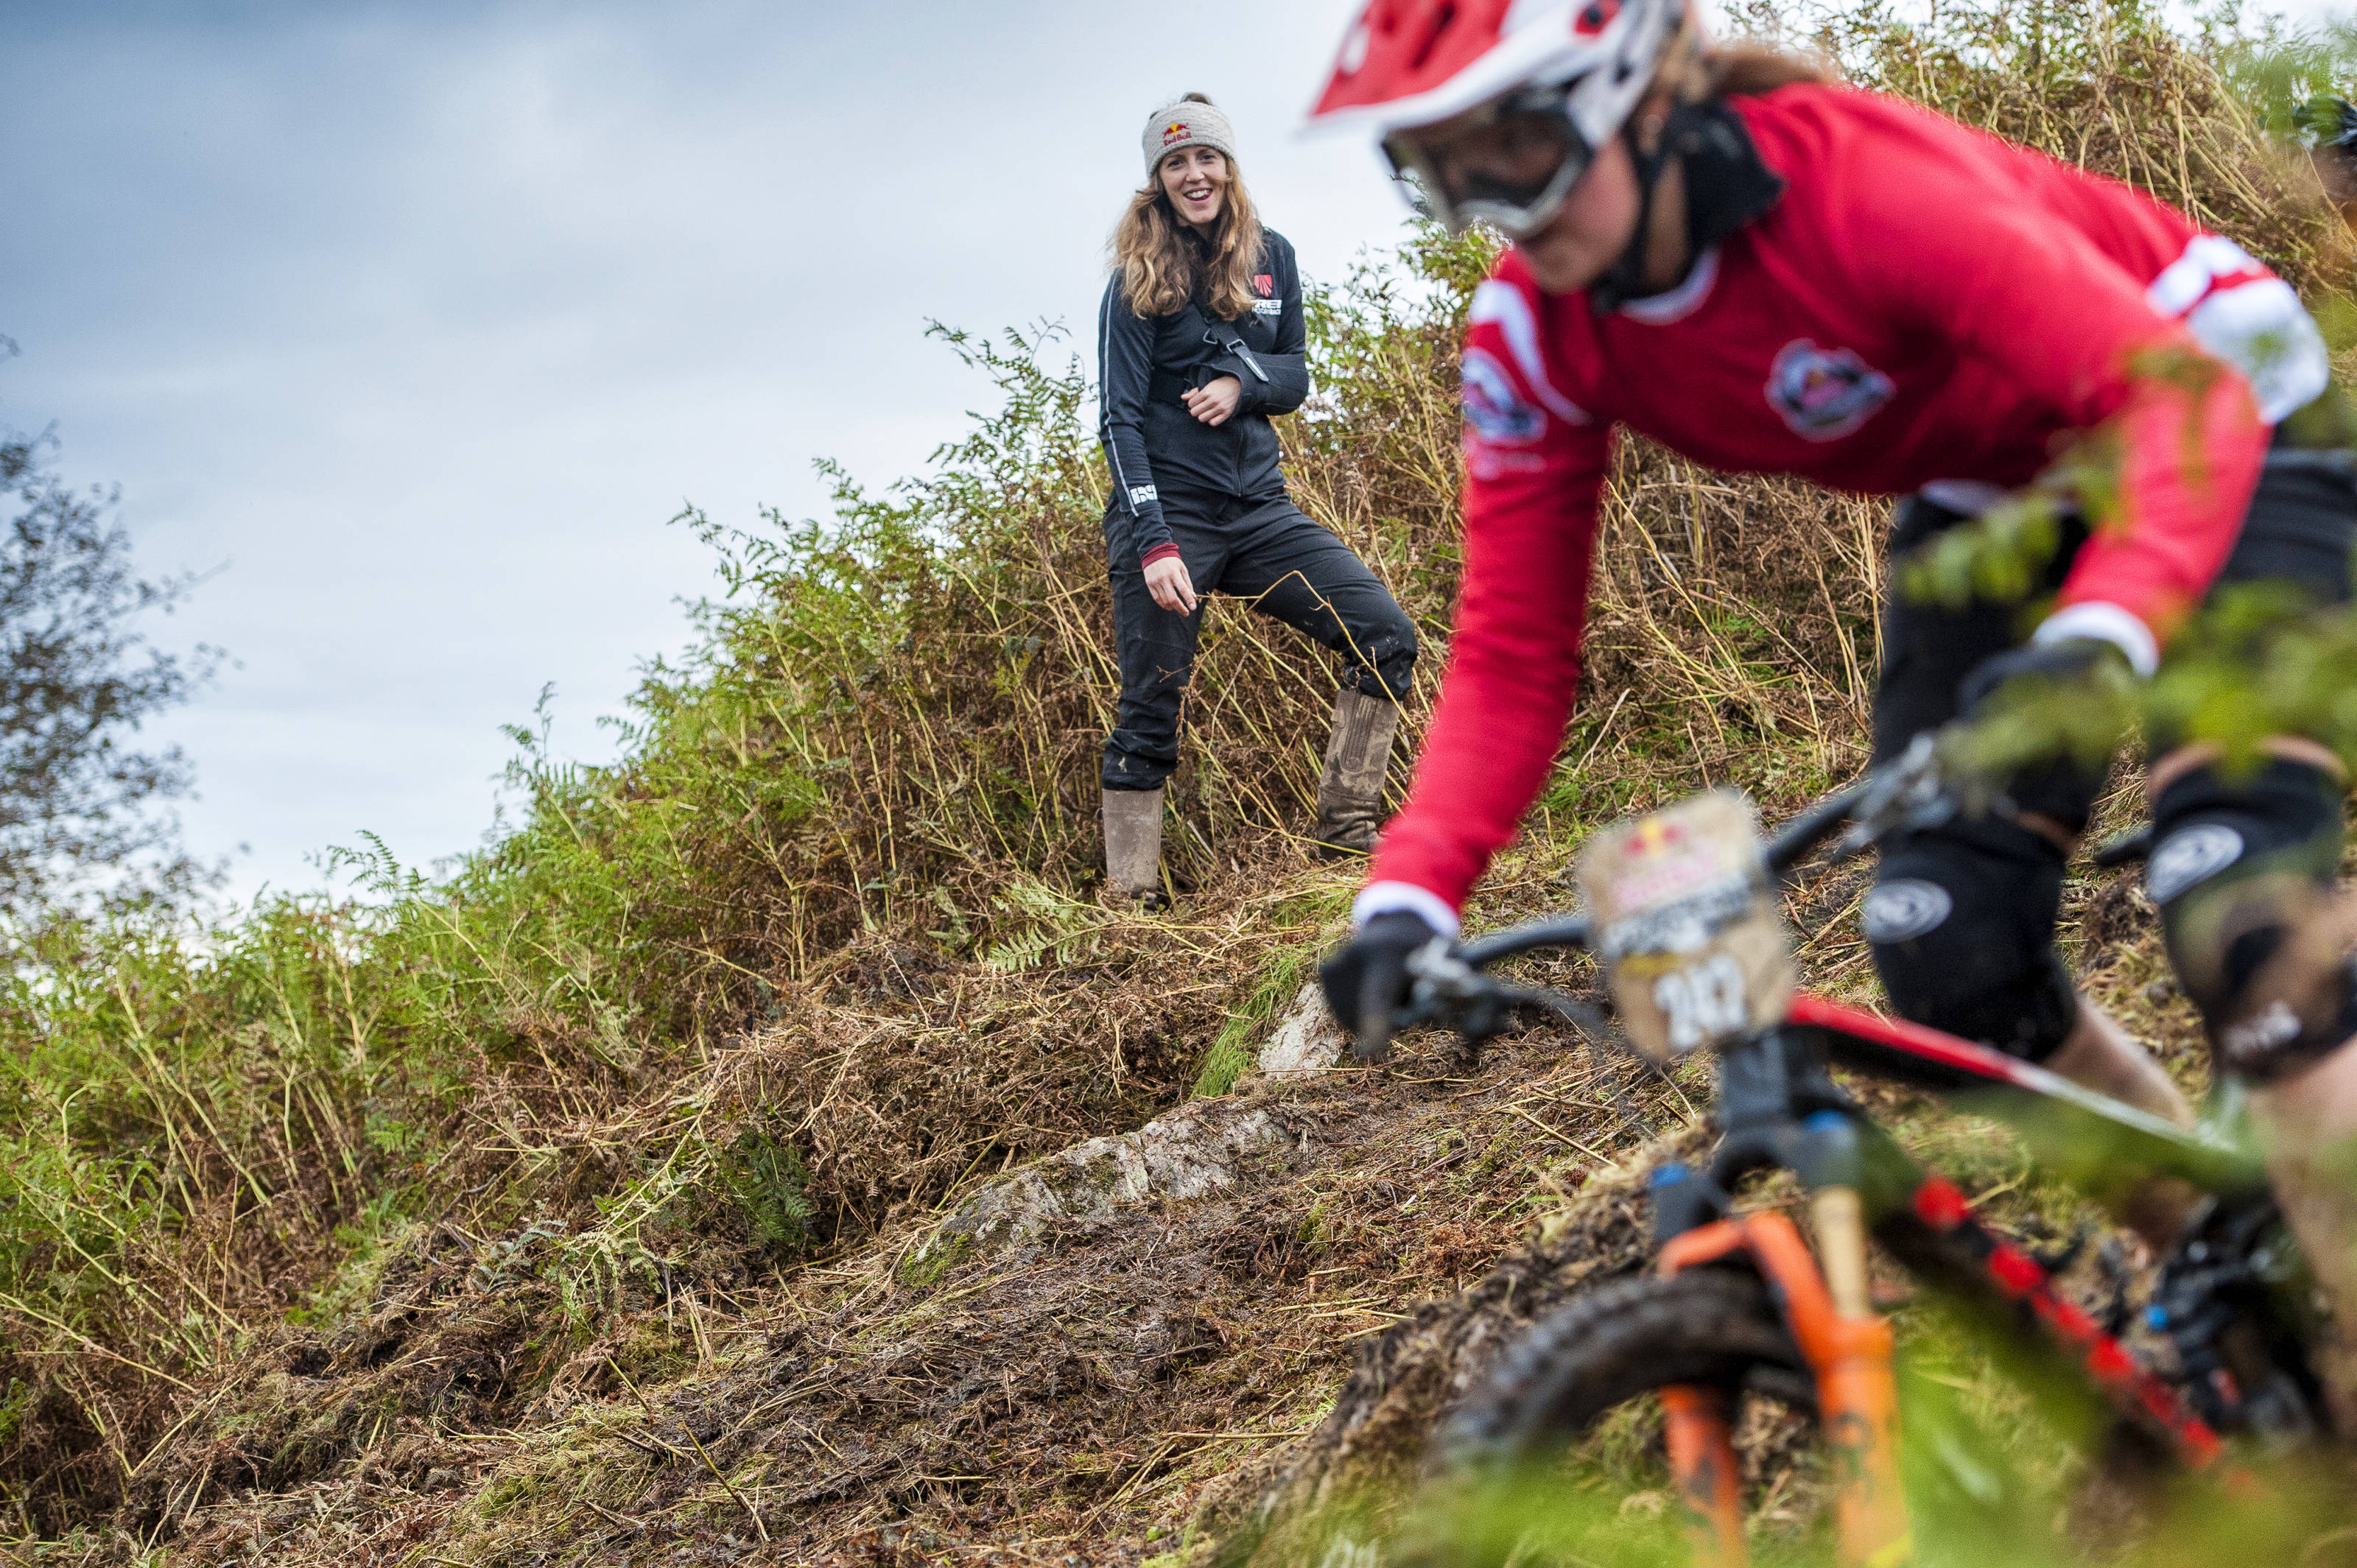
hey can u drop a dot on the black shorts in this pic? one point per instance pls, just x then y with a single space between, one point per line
2299 530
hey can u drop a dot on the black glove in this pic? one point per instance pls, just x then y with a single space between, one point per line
2044 722
1366 978
2061 664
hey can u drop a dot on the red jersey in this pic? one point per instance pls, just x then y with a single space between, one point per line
1926 307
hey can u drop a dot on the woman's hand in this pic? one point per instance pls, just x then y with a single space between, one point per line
1167 580
1216 404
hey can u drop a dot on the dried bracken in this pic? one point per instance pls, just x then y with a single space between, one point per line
589 1208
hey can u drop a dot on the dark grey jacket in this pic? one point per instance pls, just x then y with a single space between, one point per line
1144 362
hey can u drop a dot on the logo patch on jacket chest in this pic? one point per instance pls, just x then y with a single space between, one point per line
1825 393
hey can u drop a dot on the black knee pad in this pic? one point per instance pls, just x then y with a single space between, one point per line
2239 864
1961 921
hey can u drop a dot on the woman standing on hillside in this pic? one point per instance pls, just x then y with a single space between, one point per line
1199 341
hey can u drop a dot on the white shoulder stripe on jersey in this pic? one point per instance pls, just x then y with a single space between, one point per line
2207 258
2258 326
2262 329
1502 305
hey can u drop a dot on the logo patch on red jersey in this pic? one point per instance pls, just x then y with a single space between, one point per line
1825 393
1494 412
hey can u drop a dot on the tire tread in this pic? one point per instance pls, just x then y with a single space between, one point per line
1615 1343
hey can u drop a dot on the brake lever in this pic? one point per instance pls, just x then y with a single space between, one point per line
1450 990
1909 792
1912 793
1446 986
1445 989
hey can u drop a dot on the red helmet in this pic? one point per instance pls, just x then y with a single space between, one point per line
1582 65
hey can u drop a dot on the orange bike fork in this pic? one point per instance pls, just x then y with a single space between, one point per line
1707 1475
1848 1348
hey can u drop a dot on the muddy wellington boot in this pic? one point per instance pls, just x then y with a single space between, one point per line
1350 785
1133 836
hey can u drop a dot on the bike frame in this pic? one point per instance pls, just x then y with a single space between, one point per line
1781 1110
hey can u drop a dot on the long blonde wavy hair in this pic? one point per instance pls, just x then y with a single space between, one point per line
1693 68
1161 259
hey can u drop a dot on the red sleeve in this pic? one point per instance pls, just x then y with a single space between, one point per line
2191 452
2009 281
1534 469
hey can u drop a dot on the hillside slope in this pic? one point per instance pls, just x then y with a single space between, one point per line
588 1205
1170 1367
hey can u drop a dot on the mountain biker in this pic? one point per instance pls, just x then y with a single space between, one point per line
1768 271
1201 339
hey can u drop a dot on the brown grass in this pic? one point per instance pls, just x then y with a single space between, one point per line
876 941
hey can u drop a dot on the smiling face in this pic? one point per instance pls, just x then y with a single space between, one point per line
1195 180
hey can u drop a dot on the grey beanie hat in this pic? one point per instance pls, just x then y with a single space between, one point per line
1193 121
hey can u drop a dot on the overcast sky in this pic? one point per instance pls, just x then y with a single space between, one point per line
418 320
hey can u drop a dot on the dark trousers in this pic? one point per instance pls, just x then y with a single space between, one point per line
1288 568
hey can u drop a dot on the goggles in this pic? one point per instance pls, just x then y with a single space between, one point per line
1508 164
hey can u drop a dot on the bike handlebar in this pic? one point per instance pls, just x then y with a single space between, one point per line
1450 989
1908 790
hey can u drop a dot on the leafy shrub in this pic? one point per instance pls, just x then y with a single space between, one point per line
826 941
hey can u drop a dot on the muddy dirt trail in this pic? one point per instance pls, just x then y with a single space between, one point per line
1131 1351
1175 1344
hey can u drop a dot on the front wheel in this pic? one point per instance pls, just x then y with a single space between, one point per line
1715 1327
1561 1455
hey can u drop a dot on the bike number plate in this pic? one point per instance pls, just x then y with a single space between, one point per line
1687 927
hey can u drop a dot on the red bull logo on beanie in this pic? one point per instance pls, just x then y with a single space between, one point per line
1174 132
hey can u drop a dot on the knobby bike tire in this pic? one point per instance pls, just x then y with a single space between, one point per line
1708 1325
